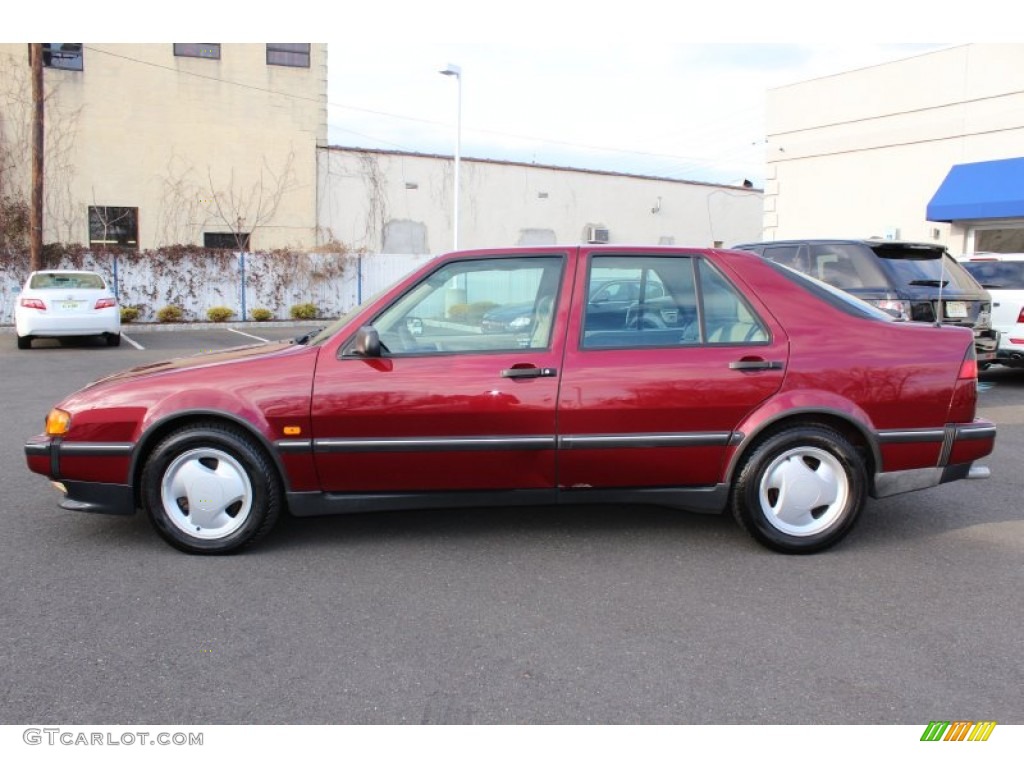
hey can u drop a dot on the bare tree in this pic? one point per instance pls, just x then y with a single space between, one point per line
242 208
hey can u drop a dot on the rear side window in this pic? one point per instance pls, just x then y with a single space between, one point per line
998 275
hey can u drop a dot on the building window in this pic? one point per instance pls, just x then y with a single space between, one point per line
288 54
62 56
111 225
232 241
198 50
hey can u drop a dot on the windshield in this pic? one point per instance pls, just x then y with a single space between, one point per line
64 280
925 268
998 275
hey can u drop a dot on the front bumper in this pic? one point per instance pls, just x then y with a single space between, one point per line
91 475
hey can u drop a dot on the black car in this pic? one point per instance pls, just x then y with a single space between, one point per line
913 281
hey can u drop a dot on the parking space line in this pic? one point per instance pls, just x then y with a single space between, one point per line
131 341
243 333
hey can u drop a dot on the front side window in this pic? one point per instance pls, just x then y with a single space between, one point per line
63 56
288 54
485 305
113 226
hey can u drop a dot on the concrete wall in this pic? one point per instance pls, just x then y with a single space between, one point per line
193 143
386 201
861 153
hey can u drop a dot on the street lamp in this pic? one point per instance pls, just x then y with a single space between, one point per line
456 71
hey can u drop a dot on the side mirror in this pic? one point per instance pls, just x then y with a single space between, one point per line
367 343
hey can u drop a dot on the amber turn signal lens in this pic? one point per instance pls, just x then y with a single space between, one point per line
293 431
58 422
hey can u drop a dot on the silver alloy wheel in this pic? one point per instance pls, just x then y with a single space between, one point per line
206 493
804 491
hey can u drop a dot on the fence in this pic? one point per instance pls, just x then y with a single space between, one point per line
334 283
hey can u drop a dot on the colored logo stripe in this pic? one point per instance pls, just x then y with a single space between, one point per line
958 730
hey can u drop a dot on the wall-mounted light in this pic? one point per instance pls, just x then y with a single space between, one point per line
657 205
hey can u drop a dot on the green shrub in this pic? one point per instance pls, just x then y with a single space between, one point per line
170 314
128 314
307 311
261 315
219 314
470 314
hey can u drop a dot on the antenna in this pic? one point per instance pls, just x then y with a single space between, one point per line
942 282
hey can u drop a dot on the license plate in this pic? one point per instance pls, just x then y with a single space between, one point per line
70 304
956 309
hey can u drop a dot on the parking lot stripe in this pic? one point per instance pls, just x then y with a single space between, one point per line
243 333
131 341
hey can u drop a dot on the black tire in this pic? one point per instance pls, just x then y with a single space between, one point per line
24 342
113 339
800 490
211 463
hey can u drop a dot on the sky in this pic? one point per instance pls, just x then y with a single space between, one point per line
681 110
648 87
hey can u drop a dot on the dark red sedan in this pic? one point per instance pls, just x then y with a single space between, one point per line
727 383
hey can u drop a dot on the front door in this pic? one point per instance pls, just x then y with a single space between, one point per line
452 402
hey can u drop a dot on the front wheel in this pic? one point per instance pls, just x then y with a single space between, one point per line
210 489
800 490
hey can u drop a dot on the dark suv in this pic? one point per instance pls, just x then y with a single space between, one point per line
908 280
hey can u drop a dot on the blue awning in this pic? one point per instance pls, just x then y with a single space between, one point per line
989 190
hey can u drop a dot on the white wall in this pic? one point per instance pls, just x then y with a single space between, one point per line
861 153
363 193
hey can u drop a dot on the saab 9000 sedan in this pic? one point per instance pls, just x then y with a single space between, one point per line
731 384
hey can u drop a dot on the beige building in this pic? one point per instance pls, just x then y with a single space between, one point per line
391 202
928 148
157 144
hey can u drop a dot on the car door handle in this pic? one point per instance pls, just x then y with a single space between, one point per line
531 372
756 365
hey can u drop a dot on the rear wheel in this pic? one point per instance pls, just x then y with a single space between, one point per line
210 489
113 339
800 490
24 342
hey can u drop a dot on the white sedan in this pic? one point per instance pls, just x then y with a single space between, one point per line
65 302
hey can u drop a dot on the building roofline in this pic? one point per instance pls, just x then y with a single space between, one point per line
541 166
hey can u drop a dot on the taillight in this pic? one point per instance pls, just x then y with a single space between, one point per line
33 304
898 309
969 367
104 303
1020 315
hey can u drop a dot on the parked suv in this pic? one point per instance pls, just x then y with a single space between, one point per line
1002 275
908 280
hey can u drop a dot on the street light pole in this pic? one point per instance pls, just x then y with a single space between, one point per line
455 71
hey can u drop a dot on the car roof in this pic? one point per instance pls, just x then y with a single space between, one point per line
840 240
993 257
65 272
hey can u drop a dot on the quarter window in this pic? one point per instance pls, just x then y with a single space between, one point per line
112 225
288 54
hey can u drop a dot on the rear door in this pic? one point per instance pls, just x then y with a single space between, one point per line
656 402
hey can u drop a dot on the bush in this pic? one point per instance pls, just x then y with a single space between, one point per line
470 314
170 314
307 311
261 315
128 314
219 314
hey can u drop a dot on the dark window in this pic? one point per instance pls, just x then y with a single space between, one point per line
288 54
198 50
111 225
231 240
62 56
1000 275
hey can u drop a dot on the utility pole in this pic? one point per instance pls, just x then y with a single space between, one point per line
35 216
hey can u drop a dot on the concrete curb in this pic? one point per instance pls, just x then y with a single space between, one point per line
134 328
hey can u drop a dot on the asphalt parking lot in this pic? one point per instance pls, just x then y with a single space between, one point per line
594 615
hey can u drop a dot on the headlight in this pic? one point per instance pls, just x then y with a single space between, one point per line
58 422
521 322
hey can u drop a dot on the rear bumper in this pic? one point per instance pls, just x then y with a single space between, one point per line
46 324
986 345
962 446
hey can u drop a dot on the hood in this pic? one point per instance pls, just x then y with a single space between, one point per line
203 360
